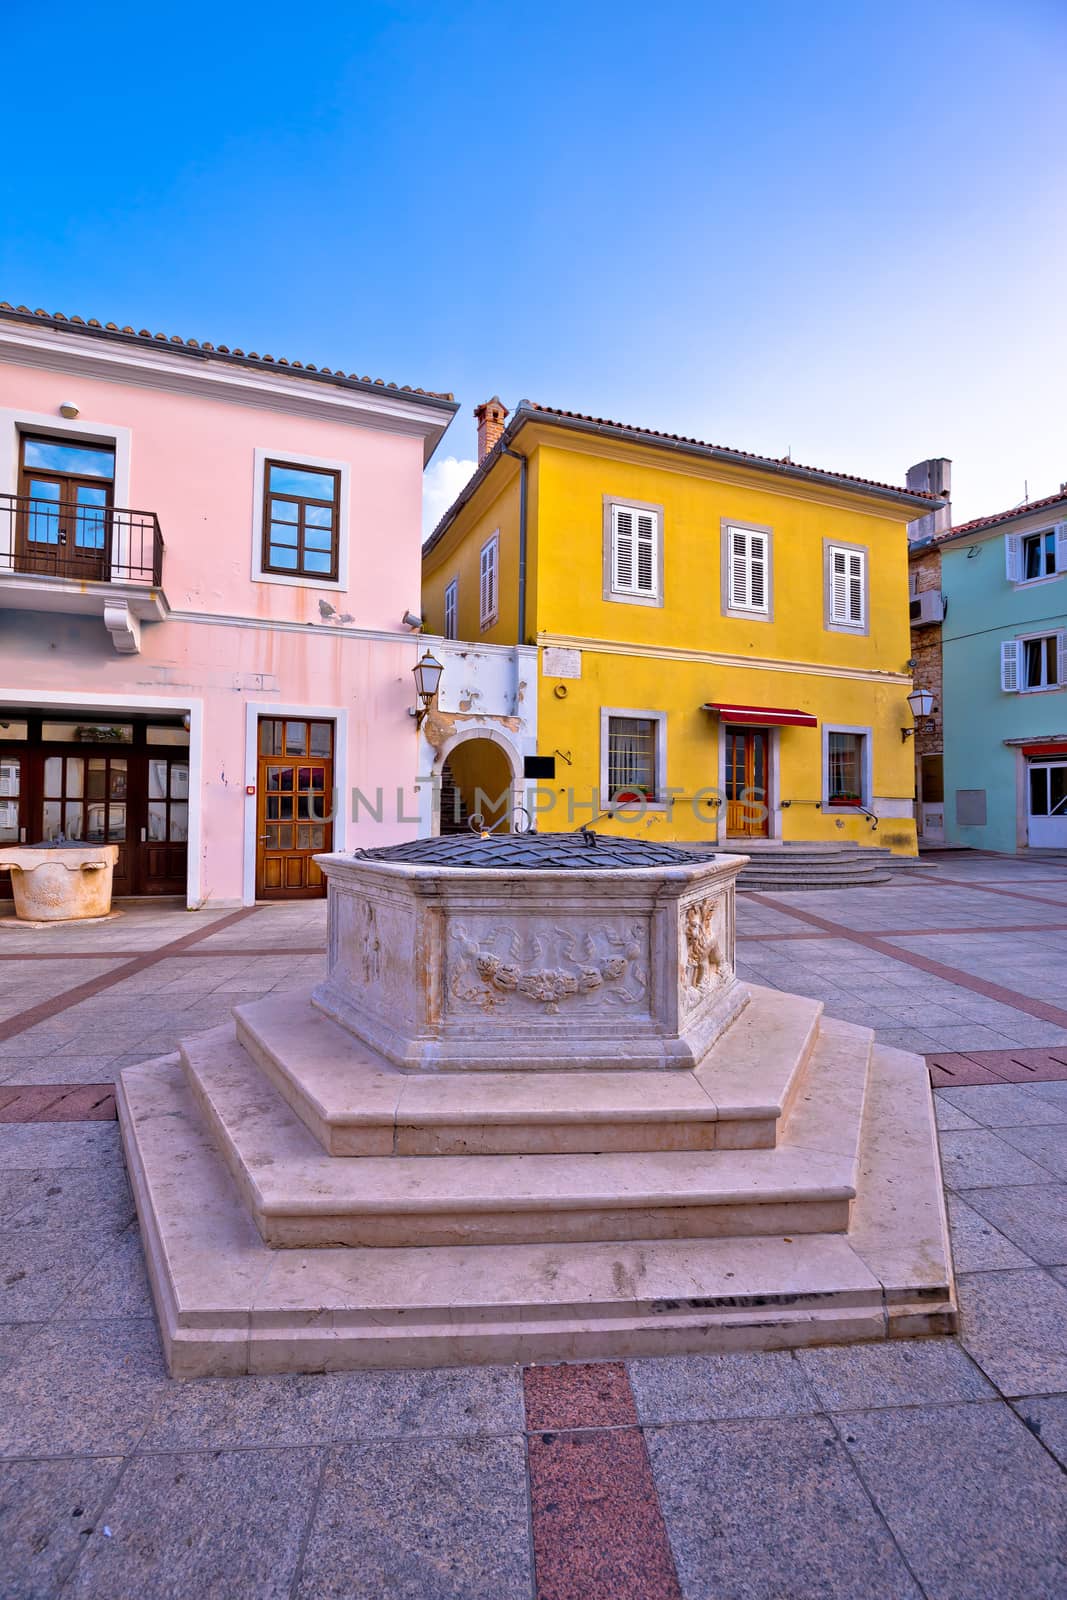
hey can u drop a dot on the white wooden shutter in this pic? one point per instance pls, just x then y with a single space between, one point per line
487 597
848 586
747 570
1061 547
1013 557
1010 665
451 595
622 548
646 552
1061 657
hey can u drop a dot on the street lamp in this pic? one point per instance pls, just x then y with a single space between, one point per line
921 702
427 673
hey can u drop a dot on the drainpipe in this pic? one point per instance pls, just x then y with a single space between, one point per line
519 457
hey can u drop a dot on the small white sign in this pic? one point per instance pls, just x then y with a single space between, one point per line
559 663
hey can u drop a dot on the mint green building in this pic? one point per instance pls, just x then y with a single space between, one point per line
1004 678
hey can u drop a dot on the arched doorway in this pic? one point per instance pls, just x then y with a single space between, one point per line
478 776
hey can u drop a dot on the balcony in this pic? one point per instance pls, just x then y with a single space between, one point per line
57 555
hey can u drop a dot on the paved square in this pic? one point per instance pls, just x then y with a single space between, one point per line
930 1468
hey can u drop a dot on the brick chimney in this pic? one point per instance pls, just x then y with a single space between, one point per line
490 418
931 477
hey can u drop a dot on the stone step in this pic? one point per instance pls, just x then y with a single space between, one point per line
762 882
300 1196
356 1103
228 1304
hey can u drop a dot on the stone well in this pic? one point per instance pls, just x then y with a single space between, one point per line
531 1113
523 953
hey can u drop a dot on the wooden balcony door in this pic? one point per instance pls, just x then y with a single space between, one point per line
294 800
63 525
747 811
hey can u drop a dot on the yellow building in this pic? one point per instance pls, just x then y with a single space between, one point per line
723 639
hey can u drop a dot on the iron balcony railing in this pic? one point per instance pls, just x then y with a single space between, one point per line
93 543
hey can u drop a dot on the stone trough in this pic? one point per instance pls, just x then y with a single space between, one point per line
531 1113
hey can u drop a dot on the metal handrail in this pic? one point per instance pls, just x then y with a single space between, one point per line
127 545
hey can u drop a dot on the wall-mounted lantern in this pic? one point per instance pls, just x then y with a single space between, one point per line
921 702
427 674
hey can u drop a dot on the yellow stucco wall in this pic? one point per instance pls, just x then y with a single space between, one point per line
673 657
457 556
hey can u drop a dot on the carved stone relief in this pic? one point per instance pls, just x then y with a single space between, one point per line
548 967
703 959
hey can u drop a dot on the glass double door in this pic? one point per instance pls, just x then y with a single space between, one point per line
294 807
747 814
63 526
137 801
1047 818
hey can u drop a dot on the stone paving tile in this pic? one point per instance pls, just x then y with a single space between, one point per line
15 1337
117 1286
1046 1417
976 1245
1014 1324
1054 1093
950 1119
1005 1106
712 1388
47 1510
213 1525
72 1198
221 1413
901 1373
750 1506
1034 1217
592 1394
58 1144
977 1508
420 1519
598 1532
983 1160
1046 1146
446 1400
81 1387
39 1270
15 1187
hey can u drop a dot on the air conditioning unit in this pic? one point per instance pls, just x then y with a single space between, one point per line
927 607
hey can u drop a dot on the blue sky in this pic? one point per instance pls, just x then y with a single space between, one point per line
835 229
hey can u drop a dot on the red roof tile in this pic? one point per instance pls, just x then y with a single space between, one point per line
978 523
226 352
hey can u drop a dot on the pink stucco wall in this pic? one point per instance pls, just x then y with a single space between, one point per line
192 462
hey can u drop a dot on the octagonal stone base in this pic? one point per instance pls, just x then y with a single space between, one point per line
532 967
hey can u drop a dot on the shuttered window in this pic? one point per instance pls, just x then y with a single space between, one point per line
847 586
747 570
635 552
451 609
1029 556
489 582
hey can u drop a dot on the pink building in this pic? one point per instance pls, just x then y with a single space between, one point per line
206 557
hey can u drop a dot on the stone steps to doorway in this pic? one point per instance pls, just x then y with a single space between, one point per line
298 1195
357 1104
230 1304
778 865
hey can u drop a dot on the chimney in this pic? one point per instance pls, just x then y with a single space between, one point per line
490 418
931 477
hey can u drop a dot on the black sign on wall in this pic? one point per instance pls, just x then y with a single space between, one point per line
539 767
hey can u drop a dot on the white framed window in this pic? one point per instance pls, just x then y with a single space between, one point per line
633 552
452 610
1029 557
846 768
746 569
300 520
1039 662
633 757
846 586
489 581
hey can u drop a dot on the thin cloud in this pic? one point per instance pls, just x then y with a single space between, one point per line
441 483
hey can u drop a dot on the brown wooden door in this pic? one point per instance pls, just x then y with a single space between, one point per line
162 854
747 812
294 801
64 527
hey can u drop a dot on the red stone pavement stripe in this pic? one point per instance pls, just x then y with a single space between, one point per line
58 1102
598 1530
193 955
956 1070
917 933
93 986
937 969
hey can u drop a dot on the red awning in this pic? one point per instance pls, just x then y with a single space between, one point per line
762 716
